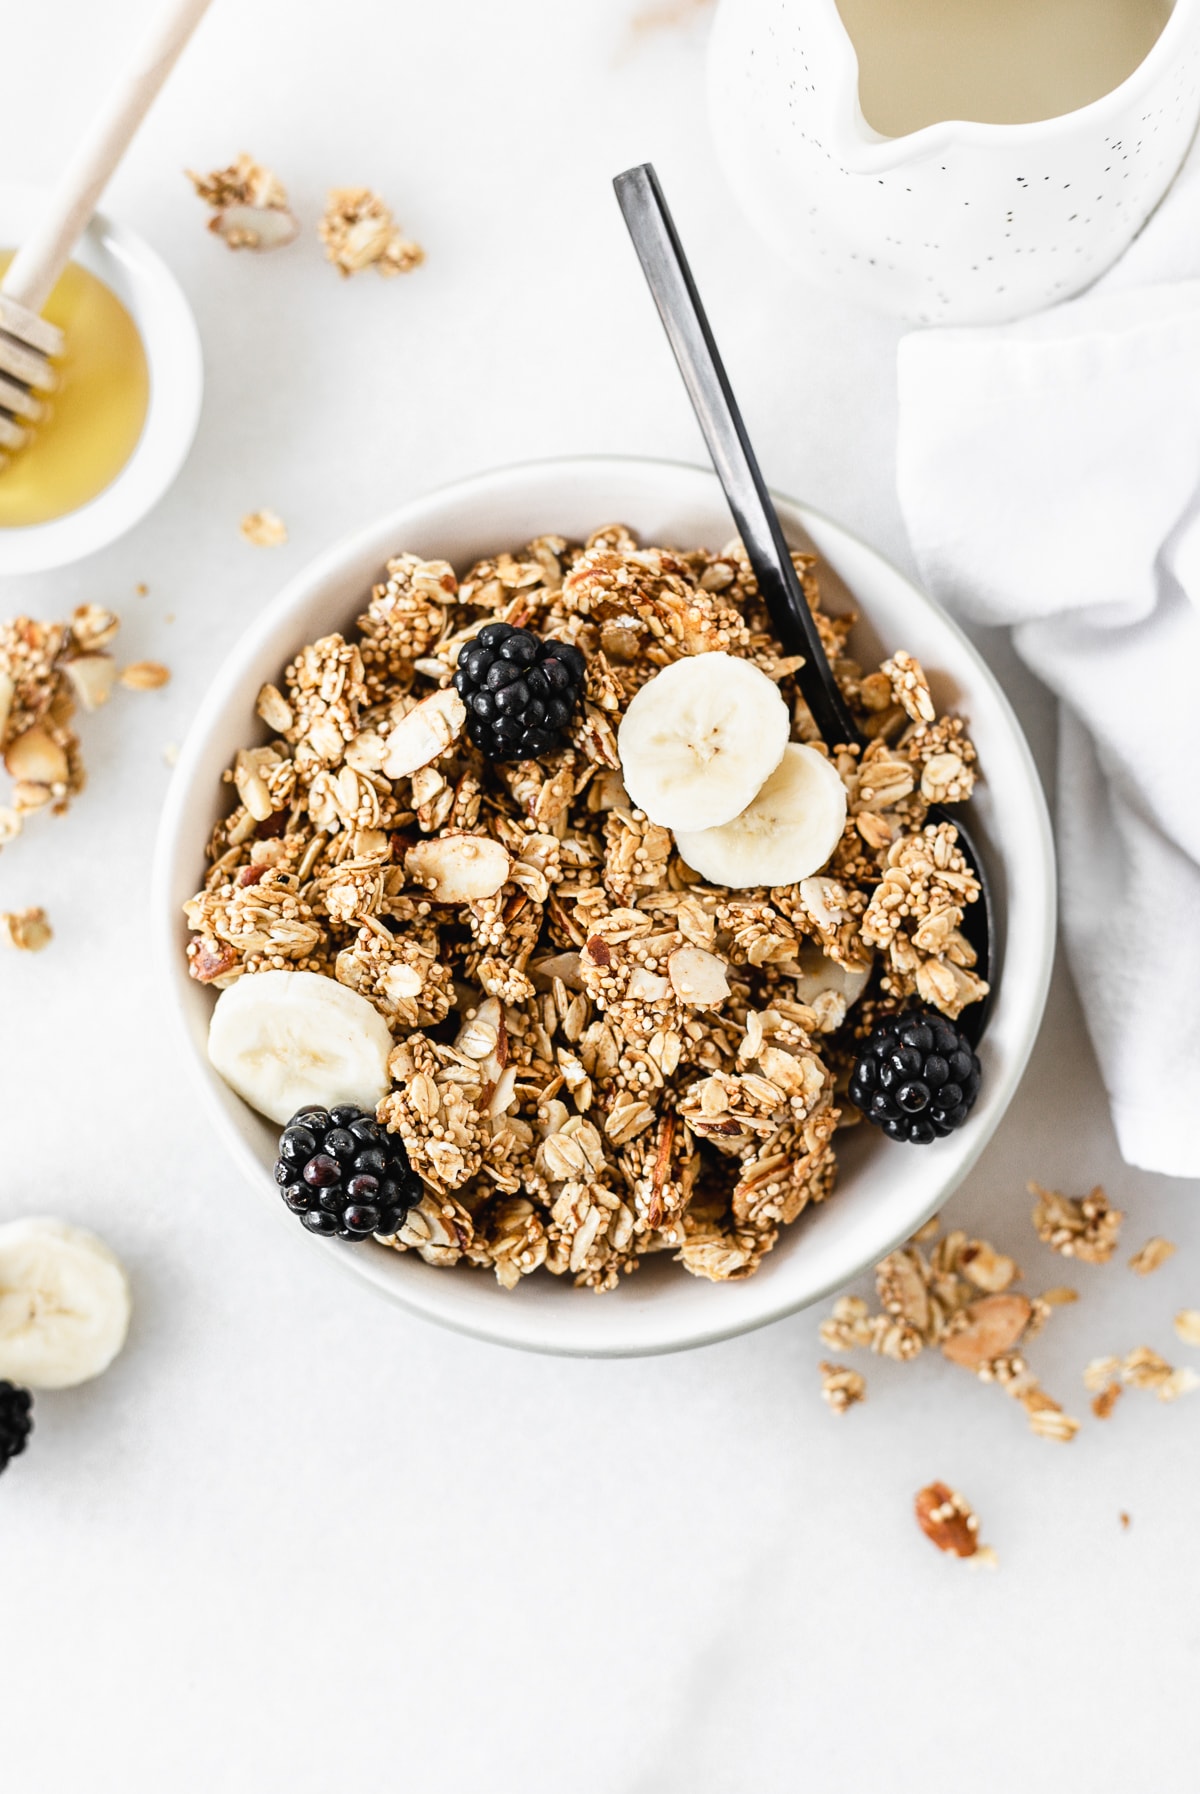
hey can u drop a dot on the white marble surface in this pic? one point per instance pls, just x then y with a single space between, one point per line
295 1539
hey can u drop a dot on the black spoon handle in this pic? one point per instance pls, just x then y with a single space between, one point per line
670 280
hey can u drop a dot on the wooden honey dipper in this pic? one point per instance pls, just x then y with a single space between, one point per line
29 343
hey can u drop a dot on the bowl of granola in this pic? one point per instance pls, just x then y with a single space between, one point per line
413 907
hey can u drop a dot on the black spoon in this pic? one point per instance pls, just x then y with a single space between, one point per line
670 280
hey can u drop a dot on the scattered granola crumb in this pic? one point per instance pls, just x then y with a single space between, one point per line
947 1519
1046 1416
983 1330
249 205
848 1326
265 529
145 675
1060 1296
1098 1372
1084 1227
358 232
929 1232
1143 1368
27 929
987 1269
841 1387
1124 1518
1106 1400
985 1558
1149 1257
141 591
934 1299
46 671
1187 1325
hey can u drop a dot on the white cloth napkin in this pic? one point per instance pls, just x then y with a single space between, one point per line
1049 474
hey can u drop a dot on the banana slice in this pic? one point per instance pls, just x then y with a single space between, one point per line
64 1304
787 833
294 1040
699 739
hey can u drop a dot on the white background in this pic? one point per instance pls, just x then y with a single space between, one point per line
296 1540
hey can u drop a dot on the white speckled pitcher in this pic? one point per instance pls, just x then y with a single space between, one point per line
957 222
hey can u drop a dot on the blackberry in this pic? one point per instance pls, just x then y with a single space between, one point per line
343 1173
16 1423
520 692
916 1077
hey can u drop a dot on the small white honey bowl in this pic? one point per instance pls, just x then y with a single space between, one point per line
155 302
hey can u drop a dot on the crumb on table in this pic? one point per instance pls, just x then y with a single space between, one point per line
265 529
359 232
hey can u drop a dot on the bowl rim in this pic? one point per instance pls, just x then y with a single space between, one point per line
174 839
175 360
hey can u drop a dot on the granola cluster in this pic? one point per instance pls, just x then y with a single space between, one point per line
358 231
250 210
47 671
249 204
597 1055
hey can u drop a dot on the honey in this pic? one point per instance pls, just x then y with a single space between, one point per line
95 415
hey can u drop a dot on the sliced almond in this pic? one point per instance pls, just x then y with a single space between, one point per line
646 986
92 677
36 756
425 733
483 1033
698 977
274 709
458 868
987 1328
255 227
252 787
818 973
557 965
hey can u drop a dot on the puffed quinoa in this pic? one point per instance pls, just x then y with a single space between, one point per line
597 1055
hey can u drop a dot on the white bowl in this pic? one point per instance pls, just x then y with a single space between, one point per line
154 300
886 1191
